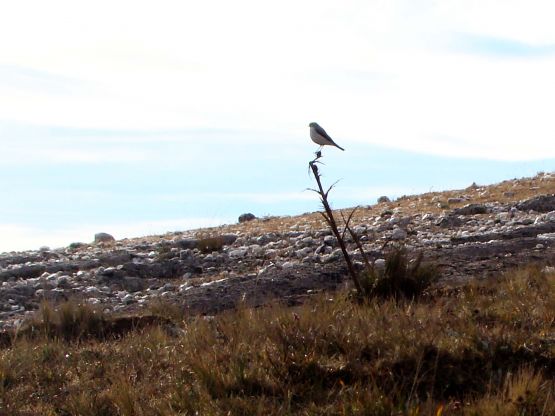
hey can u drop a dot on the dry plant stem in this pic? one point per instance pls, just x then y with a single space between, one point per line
356 239
328 216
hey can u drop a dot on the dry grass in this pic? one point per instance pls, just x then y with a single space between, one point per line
482 349
400 277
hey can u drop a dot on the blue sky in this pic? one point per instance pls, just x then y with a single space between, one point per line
134 118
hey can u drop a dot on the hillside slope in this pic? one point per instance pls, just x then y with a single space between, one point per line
470 233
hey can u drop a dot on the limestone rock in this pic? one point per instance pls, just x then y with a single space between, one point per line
471 209
103 238
398 234
542 203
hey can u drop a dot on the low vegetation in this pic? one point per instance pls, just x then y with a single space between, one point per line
479 349
399 278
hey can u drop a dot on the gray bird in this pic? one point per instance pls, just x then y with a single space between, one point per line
319 136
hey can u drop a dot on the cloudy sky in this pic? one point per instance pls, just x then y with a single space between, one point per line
136 117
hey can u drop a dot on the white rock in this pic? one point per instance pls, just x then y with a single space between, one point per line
271 253
393 220
428 217
303 252
359 229
239 253
127 299
379 264
255 249
398 234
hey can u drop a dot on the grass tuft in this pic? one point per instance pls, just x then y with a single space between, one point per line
401 278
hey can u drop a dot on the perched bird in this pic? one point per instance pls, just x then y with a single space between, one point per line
319 136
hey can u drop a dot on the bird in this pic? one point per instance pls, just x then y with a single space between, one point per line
319 136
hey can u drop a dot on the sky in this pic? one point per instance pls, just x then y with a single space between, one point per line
136 117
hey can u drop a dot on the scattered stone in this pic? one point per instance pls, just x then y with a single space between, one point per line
455 200
133 284
359 230
246 217
471 209
128 299
187 243
379 264
448 221
237 254
398 234
103 238
24 272
228 239
542 203
383 199
323 249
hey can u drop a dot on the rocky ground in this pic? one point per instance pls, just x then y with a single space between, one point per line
470 233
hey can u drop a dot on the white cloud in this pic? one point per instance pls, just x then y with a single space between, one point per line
255 66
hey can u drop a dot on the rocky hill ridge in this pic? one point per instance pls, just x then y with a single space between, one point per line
471 233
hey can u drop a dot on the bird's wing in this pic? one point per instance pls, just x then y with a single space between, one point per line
322 132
